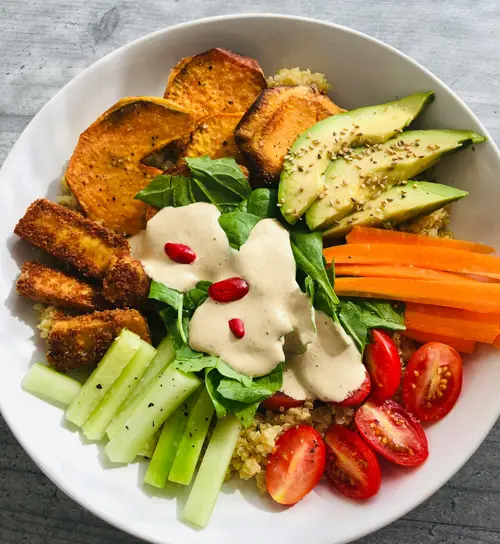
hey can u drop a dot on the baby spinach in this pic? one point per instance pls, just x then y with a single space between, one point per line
263 203
160 191
237 226
307 249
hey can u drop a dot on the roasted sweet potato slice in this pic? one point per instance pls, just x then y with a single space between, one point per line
217 81
106 170
272 124
214 136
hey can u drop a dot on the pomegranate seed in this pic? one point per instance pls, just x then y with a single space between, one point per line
180 253
228 290
237 327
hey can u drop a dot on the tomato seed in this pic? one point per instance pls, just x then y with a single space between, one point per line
180 253
228 290
237 327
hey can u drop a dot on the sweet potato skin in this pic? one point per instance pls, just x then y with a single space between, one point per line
106 170
83 244
214 136
83 340
47 285
216 81
271 125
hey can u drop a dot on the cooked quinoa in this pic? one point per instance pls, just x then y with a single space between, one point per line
296 76
434 224
66 197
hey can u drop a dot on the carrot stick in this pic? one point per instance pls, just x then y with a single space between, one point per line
461 345
450 322
368 235
496 343
474 296
434 258
387 271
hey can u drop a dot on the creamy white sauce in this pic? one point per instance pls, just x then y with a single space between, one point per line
330 369
274 306
196 226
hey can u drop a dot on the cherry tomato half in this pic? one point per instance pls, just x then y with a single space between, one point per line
382 361
358 396
393 432
296 465
432 381
351 466
280 400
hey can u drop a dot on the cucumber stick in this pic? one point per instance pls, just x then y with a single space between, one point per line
100 381
192 439
149 447
95 426
166 449
164 356
43 381
156 404
210 477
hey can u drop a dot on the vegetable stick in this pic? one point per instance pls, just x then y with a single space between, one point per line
95 426
192 440
212 471
163 396
368 235
454 323
435 258
496 343
461 345
45 382
164 454
164 356
474 296
103 377
396 271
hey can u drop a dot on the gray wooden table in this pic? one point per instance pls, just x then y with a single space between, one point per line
45 43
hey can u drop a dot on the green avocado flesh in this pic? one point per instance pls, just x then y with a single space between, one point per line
395 205
301 180
366 172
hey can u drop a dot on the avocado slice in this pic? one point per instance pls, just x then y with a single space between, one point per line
301 179
365 172
395 205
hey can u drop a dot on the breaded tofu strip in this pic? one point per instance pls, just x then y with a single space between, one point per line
85 245
126 282
83 340
44 284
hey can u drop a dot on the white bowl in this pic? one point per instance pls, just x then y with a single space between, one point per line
363 71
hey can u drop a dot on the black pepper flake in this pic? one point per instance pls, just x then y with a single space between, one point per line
153 423
126 427
98 386
190 435
186 414
150 404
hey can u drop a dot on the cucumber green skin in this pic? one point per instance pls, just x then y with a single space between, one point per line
95 426
157 403
377 124
208 482
338 201
421 198
168 444
164 356
47 383
104 376
192 440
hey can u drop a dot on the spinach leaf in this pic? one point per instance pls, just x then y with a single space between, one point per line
307 249
221 181
263 203
379 314
160 191
196 296
162 293
257 391
351 319
237 226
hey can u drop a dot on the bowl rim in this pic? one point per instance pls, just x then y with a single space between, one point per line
437 483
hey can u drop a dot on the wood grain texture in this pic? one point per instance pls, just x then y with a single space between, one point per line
45 43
